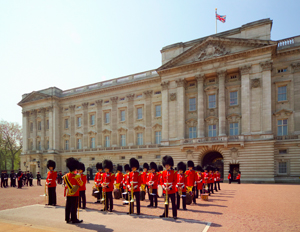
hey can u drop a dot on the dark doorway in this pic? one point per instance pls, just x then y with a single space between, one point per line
234 169
215 159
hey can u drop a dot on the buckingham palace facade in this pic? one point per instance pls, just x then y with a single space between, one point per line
231 99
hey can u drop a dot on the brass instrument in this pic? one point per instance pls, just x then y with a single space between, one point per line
180 191
167 200
132 200
104 194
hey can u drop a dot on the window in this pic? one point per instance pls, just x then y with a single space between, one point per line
157 137
157 157
66 123
47 123
158 111
283 151
234 77
78 143
66 144
282 93
39 145
107 101
106 118
192 104
122 157
212 101
233 129
123 140
282 70
139 113
48 144
92 119
31 127
140 157
78 107
92 142
139 138
157 92
192 132
212 130
122 98
233 98
122 115
92 158
79 121
92 104
282 127
39 125
107 142
282 167
192 84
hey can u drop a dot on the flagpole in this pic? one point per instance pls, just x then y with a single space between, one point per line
216 19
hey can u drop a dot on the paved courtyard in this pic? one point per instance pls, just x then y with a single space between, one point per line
245 207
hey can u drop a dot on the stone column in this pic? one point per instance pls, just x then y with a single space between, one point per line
99 122
114 121
181 109
34 132
56 126
25 131
43 131
267 97
148 135
200 124
50 127
165 112
130 117
221 103
245 99
72 129
85 125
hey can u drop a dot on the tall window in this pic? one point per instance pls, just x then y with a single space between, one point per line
282 93
158 111
39 125
192 132
282 127
39 145
122 115
79 121
282 167
139 138
106 117
66 123
48 144
92 119
139 113
47 123
93 142
78 143
107 142
212 130
31 145
233 129
192 103
212 101
157 137
66 144
233 98
31 127
123 140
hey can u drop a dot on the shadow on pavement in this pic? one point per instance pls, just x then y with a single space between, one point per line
95 227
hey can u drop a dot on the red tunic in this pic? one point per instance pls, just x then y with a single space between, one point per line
199 180
152 180
72 179
218 176
83 187
229 176
145 177
136 179
210 178
169 179
205 176
51 179
107 182
98 178
238 176
181 182
191 177
119 178
125 180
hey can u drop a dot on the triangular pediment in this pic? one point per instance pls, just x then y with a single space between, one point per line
213 48
33 96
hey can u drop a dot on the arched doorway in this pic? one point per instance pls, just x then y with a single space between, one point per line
215 159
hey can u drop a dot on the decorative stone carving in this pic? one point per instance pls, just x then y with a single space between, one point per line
222 73
79 134
139 128
189 154
233 77
114 100
165 85
157 127
99 102
266 66
148 93
211 120
212 51
92 133
172 96
180 82
85 105
296 67
122 129
283 113
245 69
212 112
106 131
72 107
25 113
234 118
255 83
66 136
234 153
191 122
200 77
130 97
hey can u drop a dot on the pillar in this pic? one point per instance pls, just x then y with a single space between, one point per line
200 124
221 104
181 109
165 113
267 97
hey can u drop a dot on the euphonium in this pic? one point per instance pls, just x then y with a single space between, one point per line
189 189
180 191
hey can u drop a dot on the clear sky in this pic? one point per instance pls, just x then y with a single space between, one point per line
68 43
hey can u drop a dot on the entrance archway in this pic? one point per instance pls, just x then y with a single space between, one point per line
214 159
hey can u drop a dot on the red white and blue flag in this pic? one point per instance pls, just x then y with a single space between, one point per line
221 18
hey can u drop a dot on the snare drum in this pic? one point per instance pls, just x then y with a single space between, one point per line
159 191
204 197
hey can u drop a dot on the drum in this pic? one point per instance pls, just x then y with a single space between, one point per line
189 198
142 194
117 193
94 192
159 191
204 197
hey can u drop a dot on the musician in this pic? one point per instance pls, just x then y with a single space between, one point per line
5 178
20 178
199 180
51 182
98 182
145 177
2 179
152 182
210 180
206 181
38 179
229 177
30 179
119 177
81 170
124 183
239 178
181 185
73 183
107 183
135 179
191 178
217 179
13 178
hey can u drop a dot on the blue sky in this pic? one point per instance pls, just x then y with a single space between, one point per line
68 44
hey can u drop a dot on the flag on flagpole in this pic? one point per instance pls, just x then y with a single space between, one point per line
221 18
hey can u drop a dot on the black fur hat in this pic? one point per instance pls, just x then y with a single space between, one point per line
146 166
127 167
190 164
153 166
160 168
209 168
140 169
72 164
99 166
216 169
119 168
81 166
181 166
168 160
133 162
107 164
51 163
199 168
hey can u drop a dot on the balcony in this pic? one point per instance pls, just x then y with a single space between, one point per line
287 137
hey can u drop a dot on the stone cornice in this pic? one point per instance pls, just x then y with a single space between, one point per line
85 105
295 67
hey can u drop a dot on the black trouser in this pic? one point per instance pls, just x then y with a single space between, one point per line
38 181
153 197
2 183
137 200
216 186
183 200
99 195
109 201
194 194
20 183
239 181
219 185
82 197
6 183
147 191
174 207
30 182
52 195
12 182
229 181
211 187
71 208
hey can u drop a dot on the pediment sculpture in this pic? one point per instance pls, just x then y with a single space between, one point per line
212 51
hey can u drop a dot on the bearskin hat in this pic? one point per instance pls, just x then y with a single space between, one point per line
216 169
107 164
127 167
146 166
119 168
160 168
153 166
99 166
72 164
168 160
190 163
133 162
199 168
209 168
181 166
81 166
51 163
140 169
12 171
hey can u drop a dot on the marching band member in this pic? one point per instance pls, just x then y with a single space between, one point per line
124 183
210 180
51 182
206 181
168 182
229 177
216 179
144 178
20 178
218 175
191 177
98 182
181 185
152 182
107 183
119 177
82 197
199 180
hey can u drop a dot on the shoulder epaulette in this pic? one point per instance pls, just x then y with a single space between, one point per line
113 174
186 175
140 174
175 171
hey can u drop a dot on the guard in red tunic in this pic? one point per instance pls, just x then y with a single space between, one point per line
107 182
51 182
152 183
160 170
210 179
191 178
20 177
97 182
82 197
229 177
119 177
218 176
168 182
124 183
206 181
216 179
73 183
135 181
199 180
239 178
181 185
145 177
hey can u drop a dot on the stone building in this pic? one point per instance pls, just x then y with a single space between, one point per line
231 99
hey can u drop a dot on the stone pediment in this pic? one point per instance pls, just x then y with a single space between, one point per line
283 113
33 96
215 47
191 122
157 127
139 128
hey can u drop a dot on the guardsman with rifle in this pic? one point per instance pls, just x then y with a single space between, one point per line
51 182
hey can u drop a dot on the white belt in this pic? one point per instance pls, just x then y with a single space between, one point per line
180 183
49 179
134 182
107 183
168 183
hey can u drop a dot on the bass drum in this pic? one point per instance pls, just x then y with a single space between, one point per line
117 194
189 198
159 191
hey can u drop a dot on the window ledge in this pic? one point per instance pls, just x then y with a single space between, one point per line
158 117
285 101
141 119
192 111
106 123
233 106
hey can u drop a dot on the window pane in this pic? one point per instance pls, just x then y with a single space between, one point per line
279 130
212 101
139 113
284 130
192 104
279 122
282 167
122 115
158 111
